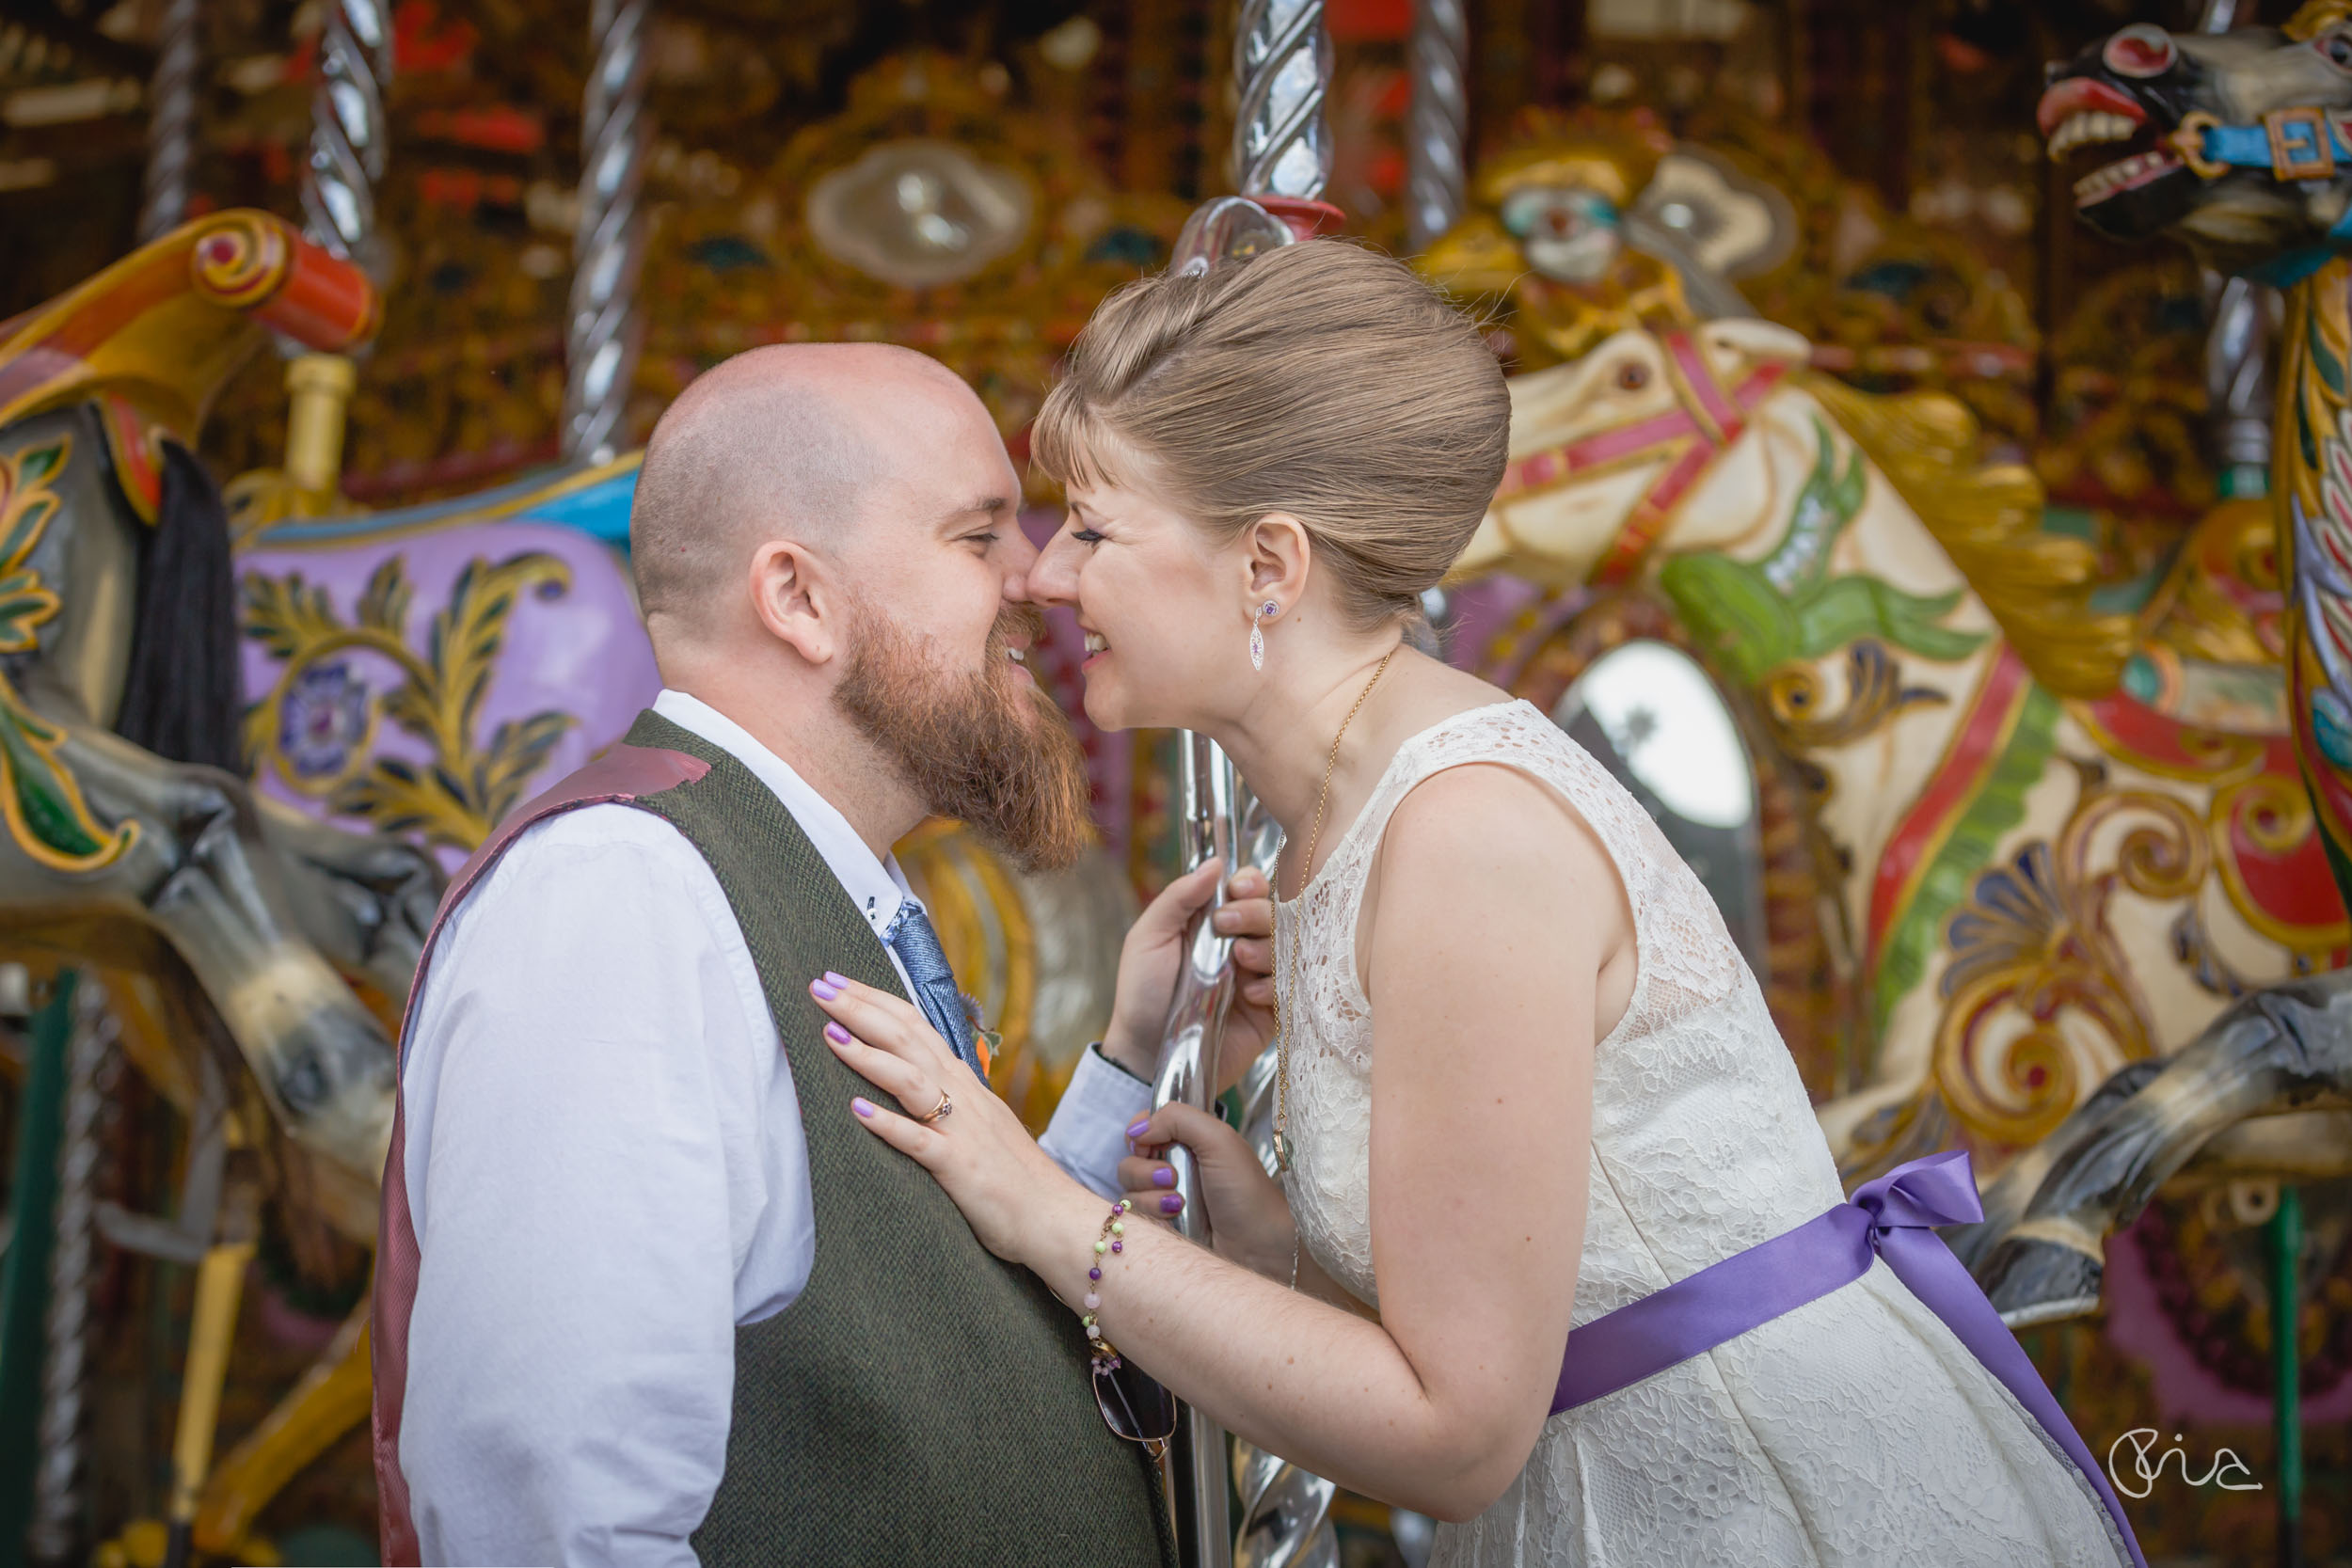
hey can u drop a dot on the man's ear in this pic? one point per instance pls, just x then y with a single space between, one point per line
795 600
1277 551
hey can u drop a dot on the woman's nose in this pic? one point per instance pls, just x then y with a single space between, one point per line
1053 576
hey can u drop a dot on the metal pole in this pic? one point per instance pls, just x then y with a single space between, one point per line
172 121
1282 60
2238 385
1438 130
609 247
2286 1361
24 1274
73 1271
347 134
1282 148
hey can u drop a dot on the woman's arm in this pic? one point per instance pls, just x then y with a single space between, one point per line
1498 911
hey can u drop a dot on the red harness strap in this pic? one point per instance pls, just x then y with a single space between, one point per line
1691 436
621 774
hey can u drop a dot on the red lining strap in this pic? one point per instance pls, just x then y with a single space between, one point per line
621 775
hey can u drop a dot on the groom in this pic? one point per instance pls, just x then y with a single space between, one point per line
647 1293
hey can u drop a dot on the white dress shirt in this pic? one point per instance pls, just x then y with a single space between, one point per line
608 1175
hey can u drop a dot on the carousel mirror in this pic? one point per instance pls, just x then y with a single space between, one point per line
1648 714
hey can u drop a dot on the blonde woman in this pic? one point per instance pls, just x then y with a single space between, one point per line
1528 1080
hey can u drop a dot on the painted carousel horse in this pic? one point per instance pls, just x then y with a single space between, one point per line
2237 144
123 816
2061 849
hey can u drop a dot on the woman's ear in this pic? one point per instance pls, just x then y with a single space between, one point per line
793 602
1278 553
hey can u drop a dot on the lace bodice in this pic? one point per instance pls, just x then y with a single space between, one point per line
1703 1144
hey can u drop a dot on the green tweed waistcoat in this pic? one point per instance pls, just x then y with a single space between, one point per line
922 1401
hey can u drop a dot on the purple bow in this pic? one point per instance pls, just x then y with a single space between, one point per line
1891 1217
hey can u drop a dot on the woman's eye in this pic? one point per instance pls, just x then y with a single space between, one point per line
1086 535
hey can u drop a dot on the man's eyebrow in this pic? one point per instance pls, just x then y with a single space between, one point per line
989 506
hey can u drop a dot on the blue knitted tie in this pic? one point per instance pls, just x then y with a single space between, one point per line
916 944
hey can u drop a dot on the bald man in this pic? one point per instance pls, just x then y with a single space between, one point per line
647 1292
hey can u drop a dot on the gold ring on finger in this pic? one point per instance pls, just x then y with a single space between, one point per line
938 1112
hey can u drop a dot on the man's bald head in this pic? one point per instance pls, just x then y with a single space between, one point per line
787 442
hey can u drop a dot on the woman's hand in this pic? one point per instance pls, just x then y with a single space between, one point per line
1016 1198
1155 950
1249 1217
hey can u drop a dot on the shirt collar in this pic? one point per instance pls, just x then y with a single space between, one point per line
878 887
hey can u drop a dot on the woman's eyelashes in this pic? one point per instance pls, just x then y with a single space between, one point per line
1086 535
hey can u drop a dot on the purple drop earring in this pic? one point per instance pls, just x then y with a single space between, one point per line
1257 634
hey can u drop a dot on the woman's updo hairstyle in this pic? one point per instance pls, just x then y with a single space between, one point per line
1319 379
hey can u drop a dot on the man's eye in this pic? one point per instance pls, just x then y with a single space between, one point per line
983 540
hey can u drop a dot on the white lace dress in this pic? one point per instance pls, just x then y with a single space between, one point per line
1856 1430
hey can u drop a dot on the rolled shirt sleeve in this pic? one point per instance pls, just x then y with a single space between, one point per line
1088 1135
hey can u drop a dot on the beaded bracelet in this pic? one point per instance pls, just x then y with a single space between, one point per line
1111 1240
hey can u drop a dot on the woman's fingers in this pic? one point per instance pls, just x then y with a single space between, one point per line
894 1075
1188 1125
1172 908
1149 1186
885 1020
905 1134
1249 908
1254 954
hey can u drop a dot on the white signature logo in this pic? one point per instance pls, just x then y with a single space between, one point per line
2145 1475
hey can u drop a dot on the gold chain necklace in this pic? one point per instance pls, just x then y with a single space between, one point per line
1281 1032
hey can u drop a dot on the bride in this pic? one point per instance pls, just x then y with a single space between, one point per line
1527 1081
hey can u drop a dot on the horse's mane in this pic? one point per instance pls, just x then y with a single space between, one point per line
1988 518
2315 15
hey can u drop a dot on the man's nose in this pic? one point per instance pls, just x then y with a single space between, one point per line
1020 560
1053 577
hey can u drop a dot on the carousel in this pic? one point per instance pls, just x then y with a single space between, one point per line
1929 492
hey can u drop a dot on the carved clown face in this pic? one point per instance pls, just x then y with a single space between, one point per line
1567 234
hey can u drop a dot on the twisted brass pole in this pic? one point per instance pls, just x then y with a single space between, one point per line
1437 126
1282 148
609 247
171 120
347 134
91 1063
1282 61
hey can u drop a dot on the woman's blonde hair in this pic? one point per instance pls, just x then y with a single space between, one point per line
1319 379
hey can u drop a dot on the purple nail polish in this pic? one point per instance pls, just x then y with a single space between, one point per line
1142 1125
836 981
837 1034
822 991
1172 1203
862 1106
1164 1176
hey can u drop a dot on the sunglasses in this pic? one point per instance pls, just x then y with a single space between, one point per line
1132 1405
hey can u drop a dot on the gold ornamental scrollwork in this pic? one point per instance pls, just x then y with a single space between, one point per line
2033 944
457 798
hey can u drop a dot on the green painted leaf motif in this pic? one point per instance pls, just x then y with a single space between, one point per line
43 795
1827 504
1848 608
1948 880
1734 612
24 605
39 462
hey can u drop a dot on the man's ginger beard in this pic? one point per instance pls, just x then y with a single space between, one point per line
987 748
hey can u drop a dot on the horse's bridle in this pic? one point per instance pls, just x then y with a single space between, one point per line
1706 421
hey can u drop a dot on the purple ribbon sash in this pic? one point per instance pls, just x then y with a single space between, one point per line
1890 1218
